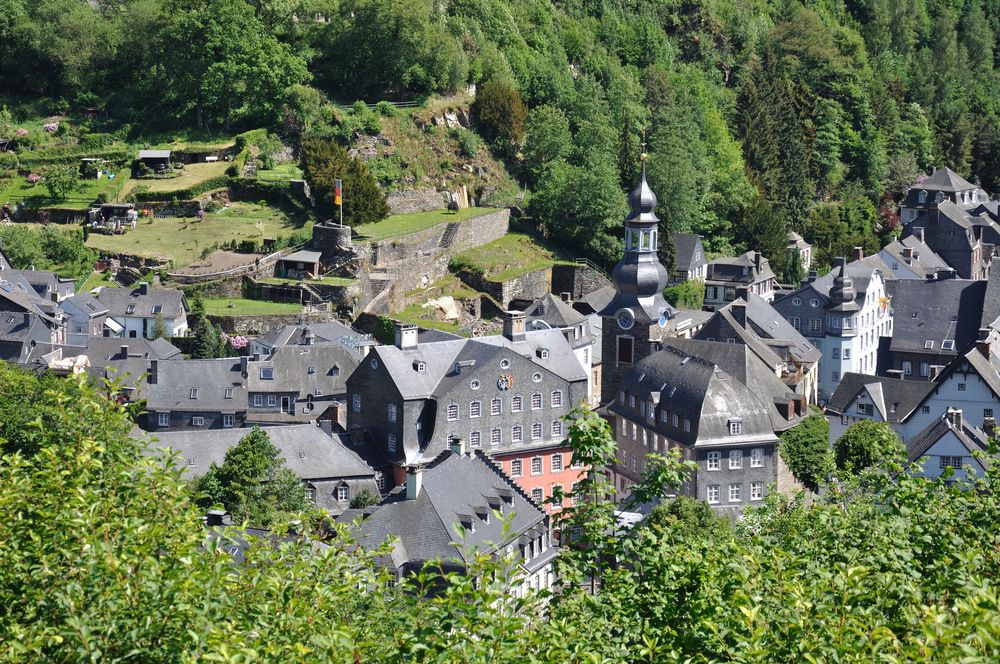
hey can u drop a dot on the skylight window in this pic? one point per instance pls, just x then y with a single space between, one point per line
157 308
929 344
948 344
130 309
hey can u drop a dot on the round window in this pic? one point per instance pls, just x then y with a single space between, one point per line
814 302
374 363
537 377
505 363
475 384
796 301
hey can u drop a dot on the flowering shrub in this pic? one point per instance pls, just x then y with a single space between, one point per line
239 342
51 126
34 178
21 132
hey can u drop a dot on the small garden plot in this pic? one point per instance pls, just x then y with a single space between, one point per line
508 257
399 225
243 307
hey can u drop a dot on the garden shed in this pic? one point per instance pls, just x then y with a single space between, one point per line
156 160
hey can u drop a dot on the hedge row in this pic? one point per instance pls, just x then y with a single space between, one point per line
235 169
57 156
248 138
218 182
8 161
275 193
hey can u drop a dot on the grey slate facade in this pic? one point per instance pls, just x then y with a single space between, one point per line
676 400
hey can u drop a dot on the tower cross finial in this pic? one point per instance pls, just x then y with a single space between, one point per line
642 156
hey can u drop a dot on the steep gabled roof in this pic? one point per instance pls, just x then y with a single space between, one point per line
171 301
553 312
689 253
900 398
175 378
453 488
974 440
923 261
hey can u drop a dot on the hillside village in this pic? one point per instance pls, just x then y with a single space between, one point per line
493 331
903 336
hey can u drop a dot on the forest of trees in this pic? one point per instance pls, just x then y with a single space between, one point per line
105 558
759 116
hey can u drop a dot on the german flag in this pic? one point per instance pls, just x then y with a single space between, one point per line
338 192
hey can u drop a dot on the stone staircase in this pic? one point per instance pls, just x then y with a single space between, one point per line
313 294
448 237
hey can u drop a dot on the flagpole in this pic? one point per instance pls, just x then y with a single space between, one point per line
338 185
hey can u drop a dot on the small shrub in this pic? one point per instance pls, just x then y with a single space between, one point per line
385 109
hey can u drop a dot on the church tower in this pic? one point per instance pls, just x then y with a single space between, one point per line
636 317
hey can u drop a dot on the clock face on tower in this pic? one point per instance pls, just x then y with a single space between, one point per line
625 318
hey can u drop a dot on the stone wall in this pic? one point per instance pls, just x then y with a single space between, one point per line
254 325
529 286
417 200
578 280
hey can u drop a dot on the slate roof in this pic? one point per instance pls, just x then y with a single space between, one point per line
935 311
440 359
47 285
689 251
861 273
797 240
117 300
923 261
766 327
596 301
991 300
175 378
154 154
740 269
290 335
973 439
308 451
290 370
553 312
750 369
86 303
946 180
701 391
304 256
453 487
895 397
18 297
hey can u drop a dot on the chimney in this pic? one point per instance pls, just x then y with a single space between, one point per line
457 445
124 351
989 426
406 336
153 367
918 232
907 252
413 481
218 518
143 288
513 325
244 368
954 415
566 297
813 276
857 254
983 342
758 260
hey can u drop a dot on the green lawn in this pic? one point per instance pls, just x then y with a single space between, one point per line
97 279
180 139
183 240
510 256
405 224
281 172
326 281
242 307
19 189
416 313
191 175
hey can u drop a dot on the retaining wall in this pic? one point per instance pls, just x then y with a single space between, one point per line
416 200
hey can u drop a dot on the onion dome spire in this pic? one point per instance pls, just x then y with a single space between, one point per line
642 200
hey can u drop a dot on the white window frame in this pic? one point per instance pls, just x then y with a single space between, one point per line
496 436
556 399
537 467
556 462
163 419
356 403
735 459
228 421
475 438
756 457
713 461
198 421
516 468
735 493
516 403
536 397
496 406
516 434
756 491
452 412
713 494
475 408
557 428
536 430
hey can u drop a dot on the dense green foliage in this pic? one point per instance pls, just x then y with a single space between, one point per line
253 483
56 248
865 444
759 117
105 558
687 294
805 449
324 161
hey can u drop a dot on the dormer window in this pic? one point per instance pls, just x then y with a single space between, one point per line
157 308
335 371
130 309
419 366
948 344
311 370
928 344
735 427
194 393
543 353
922 197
